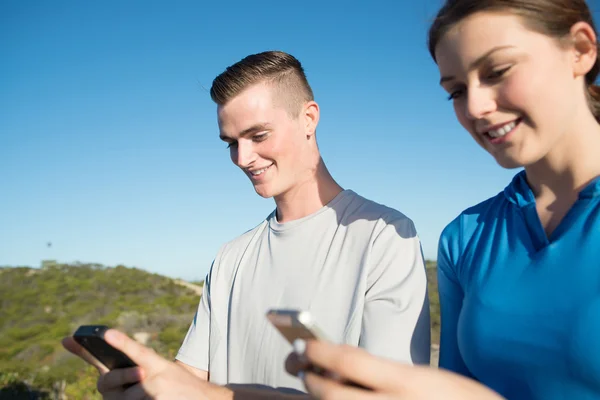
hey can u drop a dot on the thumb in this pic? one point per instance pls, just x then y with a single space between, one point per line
139 354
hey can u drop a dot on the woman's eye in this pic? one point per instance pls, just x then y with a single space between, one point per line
455 94
498 73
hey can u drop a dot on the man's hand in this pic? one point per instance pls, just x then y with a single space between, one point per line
156 377
348 367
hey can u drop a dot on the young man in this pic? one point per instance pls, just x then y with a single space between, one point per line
354 264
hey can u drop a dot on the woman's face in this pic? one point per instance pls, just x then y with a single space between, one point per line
512 88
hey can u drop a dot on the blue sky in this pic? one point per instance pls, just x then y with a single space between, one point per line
109 143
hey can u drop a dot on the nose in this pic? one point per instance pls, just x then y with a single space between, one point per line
242 154
480 102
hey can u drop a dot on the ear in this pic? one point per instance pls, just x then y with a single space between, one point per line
311 114
585 48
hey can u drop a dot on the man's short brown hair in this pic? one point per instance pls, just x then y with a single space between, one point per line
276 68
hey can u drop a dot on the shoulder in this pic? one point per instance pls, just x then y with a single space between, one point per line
377 215
242 241
230 253
458 233
472 216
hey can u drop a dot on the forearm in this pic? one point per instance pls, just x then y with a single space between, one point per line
239 391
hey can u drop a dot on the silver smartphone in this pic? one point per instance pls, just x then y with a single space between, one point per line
295 324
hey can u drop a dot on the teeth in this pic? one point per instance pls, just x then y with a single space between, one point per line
502 131
260 171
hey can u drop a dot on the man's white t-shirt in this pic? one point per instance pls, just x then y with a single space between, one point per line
354 264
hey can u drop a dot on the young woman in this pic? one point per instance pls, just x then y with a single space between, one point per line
519 274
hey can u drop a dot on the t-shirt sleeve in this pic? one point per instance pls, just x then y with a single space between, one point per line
451 300
195 348
396 312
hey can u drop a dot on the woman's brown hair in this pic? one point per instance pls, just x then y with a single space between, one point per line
550 17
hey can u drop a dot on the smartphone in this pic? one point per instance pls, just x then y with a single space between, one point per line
91 337
295 324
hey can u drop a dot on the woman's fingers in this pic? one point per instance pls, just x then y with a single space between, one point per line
356 365
295 363
329 389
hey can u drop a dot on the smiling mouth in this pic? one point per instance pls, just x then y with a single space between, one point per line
259 172
503 130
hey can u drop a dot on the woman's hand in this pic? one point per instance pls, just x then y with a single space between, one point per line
352 373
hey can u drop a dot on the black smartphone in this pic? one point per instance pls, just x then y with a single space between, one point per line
91 337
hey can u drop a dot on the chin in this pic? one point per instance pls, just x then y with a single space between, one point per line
509 163
515 159
264 192
518 160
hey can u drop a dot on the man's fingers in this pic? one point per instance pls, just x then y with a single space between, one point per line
72 346
116 379
328 389
139 354
136 392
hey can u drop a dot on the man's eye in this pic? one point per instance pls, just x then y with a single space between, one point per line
259 138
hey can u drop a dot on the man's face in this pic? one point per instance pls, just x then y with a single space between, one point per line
264 140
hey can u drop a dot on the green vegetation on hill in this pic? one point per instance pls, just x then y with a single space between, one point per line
434 301
38 307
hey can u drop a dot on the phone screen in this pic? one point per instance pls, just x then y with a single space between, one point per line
292 333
91 337
294 324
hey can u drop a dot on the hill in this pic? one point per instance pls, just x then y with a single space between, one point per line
38 307
434 301
434 309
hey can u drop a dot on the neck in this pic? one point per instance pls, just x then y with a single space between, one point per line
571 165
307 196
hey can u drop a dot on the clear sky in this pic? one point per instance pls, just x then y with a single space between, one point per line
109 144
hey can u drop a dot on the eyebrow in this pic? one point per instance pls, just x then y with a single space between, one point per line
249 131
477 62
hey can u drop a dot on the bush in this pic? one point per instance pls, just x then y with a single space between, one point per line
41 306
